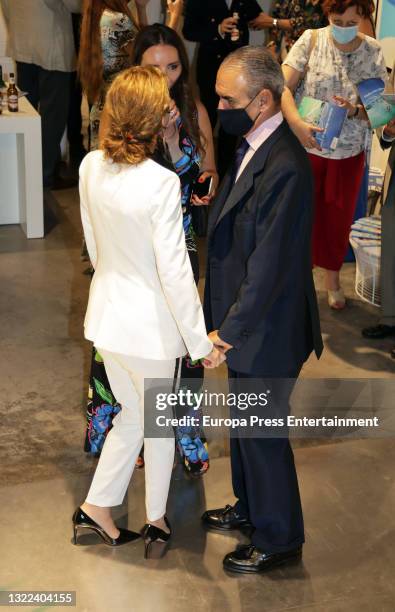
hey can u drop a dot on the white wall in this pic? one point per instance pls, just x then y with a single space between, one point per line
3 34
155 11
6 62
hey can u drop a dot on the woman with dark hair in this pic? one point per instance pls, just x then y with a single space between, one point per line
328 64
144 310
188 149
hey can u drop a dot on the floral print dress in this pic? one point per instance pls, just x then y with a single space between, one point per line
117 32
303 14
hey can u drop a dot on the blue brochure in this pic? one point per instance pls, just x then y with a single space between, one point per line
380 109
326 115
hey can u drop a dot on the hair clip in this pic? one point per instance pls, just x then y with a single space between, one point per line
128 136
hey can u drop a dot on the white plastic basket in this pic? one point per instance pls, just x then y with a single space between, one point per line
367 252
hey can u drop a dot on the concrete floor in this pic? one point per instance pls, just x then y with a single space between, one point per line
347 488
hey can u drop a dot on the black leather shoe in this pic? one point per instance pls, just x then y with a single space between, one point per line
376 332
250 560
155 540
225 519
81 521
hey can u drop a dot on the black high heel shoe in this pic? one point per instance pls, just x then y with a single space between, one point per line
82 521
155 540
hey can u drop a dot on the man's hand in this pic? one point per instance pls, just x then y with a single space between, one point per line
218 342
213 359
389 129
227 25
305 133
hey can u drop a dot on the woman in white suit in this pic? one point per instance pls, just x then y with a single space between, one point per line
144 310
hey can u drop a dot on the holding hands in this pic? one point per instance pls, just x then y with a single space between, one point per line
217 355
213 359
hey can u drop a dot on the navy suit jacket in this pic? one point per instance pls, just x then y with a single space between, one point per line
259 289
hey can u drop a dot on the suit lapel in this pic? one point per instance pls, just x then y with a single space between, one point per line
219 202
246 179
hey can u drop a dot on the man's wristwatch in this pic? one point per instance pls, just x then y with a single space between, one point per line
275 23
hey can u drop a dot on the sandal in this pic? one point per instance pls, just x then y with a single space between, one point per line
336 299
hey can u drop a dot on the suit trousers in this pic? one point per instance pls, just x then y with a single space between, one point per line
264 480
49 92
126 375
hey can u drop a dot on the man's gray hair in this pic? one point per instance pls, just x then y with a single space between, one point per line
260 69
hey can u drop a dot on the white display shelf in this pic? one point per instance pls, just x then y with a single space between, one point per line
21 188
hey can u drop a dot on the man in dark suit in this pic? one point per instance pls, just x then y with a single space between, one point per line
210 23
260 299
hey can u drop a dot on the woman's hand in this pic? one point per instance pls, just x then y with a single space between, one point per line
213 359
174 7
171 132
205 201
352 109
305 132
389 129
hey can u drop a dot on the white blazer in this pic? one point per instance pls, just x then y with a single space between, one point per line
143 299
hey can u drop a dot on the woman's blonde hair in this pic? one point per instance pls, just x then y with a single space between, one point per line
136 104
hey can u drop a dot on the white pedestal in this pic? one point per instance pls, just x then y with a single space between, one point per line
21 191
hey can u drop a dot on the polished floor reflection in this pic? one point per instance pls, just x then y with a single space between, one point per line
347 487
348 565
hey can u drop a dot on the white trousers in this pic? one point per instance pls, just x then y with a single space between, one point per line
120 451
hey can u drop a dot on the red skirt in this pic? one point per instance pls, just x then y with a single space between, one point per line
336 188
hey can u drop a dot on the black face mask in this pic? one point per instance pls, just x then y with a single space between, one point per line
236 121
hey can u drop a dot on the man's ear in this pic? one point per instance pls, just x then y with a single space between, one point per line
265 98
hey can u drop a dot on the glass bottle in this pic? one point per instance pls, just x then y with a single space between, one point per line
12 95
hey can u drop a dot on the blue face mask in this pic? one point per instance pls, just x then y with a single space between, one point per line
344 35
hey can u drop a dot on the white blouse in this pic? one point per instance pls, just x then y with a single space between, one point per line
333 72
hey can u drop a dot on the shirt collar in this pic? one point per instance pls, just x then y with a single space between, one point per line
263 131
